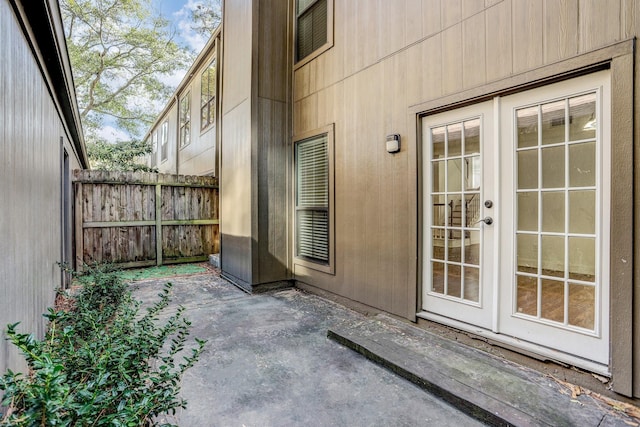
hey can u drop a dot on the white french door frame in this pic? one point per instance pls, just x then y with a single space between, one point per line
478 313
502 263
581 346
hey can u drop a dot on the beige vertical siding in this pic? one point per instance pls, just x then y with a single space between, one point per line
389 57
169 165
271 118
30 187
236 152
255 151
199 157
630 17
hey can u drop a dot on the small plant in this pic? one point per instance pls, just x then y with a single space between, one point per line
101 363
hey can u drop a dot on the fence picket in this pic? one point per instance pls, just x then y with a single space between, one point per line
135 219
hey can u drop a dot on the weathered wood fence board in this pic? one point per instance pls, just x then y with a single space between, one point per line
138 218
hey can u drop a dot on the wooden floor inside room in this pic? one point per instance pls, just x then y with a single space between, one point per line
545 300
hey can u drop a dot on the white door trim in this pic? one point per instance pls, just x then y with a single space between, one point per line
573 341
514 344
568 344
473 312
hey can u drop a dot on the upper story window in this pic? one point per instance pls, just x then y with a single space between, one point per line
154 149
313 26
185 120
208 96
165 140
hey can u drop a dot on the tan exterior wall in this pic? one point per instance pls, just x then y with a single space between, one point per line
236 150
32 137
168 165
391 61
253 182
200 156
272 124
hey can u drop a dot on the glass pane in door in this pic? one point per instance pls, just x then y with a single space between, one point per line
455 210
556 199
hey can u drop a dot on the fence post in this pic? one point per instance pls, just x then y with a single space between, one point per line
79 230
158 224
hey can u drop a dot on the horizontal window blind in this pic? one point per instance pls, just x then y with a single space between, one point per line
311 26
313 234
312 199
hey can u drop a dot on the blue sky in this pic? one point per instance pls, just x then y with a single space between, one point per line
177 11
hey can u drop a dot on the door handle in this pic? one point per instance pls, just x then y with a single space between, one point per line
487 220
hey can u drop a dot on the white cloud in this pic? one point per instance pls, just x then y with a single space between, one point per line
112 134
183 20
174 79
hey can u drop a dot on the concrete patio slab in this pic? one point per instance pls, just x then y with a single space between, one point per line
284 358
489 388
268 362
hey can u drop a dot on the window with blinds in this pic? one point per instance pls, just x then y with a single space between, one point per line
312 199
311 28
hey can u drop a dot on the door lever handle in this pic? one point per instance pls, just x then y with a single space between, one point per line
487 220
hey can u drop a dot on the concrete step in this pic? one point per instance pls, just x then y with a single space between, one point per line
493 390
214 260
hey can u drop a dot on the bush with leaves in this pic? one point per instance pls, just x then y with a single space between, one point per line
125 156
102 363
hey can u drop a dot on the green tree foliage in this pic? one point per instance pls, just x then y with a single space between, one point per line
121 156
205 17
120 50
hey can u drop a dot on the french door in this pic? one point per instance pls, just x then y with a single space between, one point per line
516 214
458 193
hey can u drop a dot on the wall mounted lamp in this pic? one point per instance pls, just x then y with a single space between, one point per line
393 143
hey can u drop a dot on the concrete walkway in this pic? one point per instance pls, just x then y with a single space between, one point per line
269 362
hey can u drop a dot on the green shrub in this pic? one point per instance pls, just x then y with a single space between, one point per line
104 362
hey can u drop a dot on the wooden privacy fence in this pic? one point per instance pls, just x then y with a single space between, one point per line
136 219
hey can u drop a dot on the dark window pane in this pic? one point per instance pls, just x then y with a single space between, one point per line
311 27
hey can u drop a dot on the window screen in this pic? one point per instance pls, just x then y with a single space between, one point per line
311 30
312 199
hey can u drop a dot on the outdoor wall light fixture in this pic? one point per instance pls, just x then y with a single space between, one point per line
393 143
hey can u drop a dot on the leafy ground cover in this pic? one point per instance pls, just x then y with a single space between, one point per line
102 362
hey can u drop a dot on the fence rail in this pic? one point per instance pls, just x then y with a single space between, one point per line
136 219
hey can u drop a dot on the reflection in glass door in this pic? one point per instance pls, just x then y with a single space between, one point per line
536 276
455 202
457 269
556 212
555 165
